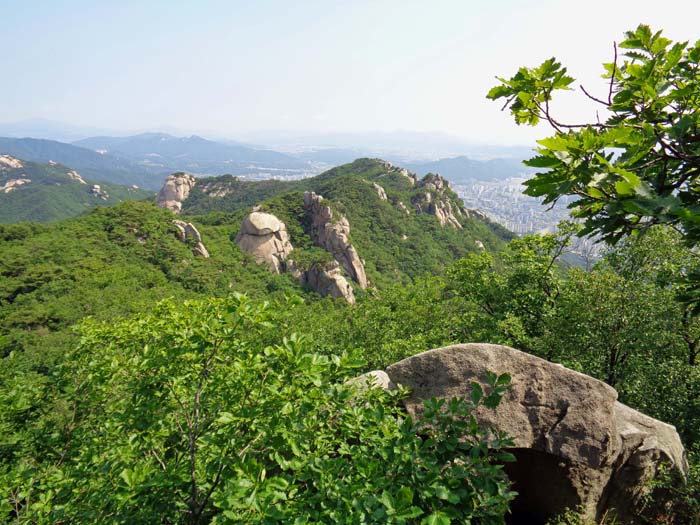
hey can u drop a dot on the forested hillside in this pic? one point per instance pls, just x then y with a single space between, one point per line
50 192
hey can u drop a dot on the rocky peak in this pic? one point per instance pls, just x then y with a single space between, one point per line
390 169
333 236
433 182
187 231
8 162
176 189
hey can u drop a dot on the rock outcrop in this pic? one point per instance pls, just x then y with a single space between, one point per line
328 280
176 189
97 191
435 200
13 184
333 235
391 169
188 232
380 191
10 163
74 175
575 444
265 237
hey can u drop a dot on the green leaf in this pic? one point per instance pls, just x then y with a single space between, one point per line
436 518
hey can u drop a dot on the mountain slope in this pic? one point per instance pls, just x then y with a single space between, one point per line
194 154
92 165
50 192
401 226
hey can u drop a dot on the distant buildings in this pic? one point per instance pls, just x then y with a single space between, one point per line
504 202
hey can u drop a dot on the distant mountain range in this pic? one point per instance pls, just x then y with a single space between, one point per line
147 159
166 153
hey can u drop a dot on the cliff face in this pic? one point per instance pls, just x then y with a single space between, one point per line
176 189
436 199
333 236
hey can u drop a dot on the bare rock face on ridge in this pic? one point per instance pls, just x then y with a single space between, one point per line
8 162
333 236
265 237
434 201
176 189
575 444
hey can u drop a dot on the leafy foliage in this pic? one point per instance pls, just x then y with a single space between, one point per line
188 416
640 165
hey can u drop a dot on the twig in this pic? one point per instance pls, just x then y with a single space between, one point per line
612 77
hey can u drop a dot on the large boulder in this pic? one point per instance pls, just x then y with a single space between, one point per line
575 444
265 237
176 189
333 234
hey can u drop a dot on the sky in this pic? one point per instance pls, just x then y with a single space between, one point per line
231 68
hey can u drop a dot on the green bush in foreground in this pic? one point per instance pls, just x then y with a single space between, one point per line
186 416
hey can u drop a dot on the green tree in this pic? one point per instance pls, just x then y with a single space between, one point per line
641 164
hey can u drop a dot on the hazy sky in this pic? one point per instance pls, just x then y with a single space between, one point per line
229 67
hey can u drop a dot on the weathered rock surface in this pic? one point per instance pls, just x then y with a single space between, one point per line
333 235
265 237
435 201
575 444
328 280
74 175
13 184
10 163
380 191
176 189
188 231
373 379
97 191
